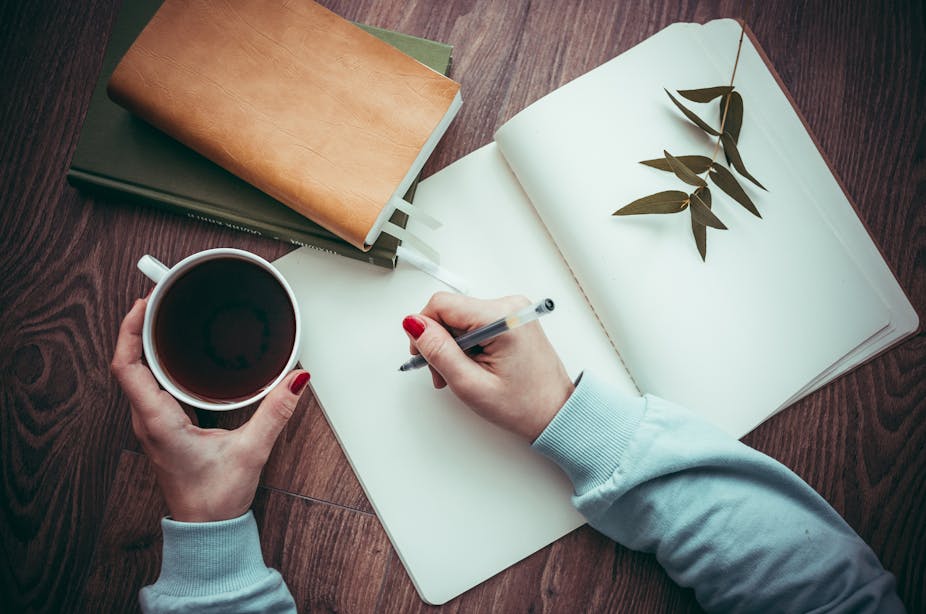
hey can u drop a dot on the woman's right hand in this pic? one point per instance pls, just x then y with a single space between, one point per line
517 381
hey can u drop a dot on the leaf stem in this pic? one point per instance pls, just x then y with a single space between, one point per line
726 105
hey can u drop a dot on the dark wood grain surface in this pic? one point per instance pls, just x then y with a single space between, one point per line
79 507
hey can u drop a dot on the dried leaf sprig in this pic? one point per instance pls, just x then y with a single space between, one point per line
691 168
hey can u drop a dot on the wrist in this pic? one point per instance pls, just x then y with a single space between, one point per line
548 412
216 497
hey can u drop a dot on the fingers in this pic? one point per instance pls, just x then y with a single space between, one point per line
464 313
461 313
274 412
135 378
155 414
449 364
437 379
129 344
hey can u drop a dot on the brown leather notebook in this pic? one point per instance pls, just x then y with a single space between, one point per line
295 100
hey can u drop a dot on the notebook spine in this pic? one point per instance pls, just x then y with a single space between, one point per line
202 212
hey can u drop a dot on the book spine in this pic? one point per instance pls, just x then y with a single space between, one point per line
200 211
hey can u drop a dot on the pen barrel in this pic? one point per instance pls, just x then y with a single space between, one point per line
475 337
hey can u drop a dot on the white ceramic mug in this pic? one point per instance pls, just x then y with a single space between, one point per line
164 277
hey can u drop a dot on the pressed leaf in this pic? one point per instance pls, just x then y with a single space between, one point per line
725 180
702 214
670 201
706 94
697 164
683 172
700 123
700 236
729 146
700 230
734 121
705 195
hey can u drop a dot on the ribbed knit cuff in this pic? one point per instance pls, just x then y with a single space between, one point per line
588 436
208 558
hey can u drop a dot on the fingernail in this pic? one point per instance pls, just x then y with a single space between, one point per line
299 383
413 326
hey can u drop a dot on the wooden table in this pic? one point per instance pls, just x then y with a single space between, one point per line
79 506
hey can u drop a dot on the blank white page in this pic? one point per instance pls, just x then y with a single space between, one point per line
779 301
460 499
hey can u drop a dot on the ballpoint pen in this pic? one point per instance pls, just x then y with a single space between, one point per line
475 337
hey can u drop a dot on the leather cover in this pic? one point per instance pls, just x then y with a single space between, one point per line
126 159
290 97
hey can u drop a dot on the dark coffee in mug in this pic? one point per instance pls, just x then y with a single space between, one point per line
224 329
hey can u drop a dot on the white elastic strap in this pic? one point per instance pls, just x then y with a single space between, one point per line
415 213
420 261
413 241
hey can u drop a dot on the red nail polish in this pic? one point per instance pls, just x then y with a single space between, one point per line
413 326
299 383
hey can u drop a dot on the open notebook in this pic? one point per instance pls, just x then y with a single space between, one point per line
782 305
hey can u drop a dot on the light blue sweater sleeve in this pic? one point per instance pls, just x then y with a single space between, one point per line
215 567
739 528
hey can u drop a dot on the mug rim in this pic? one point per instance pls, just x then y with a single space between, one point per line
154 300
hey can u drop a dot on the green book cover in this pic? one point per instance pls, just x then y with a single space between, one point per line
121 155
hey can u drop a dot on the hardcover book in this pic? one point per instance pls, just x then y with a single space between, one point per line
123 156
297 101
783 304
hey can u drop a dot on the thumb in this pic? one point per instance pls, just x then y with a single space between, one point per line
442 352
275 410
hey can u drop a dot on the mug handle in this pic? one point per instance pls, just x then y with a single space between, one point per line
153 268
